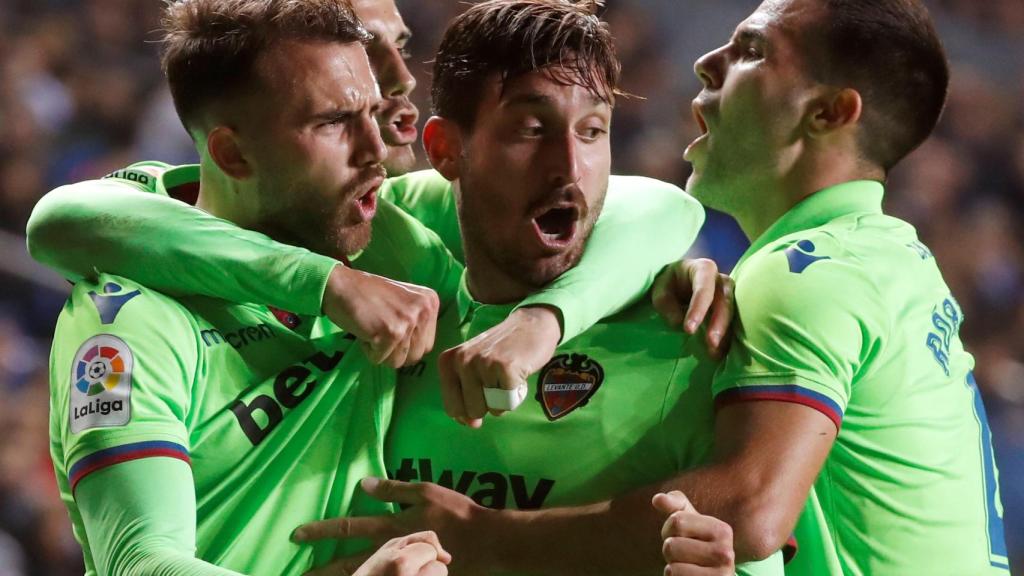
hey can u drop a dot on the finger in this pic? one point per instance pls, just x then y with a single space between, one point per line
417 555
430 537
664 297
433 569
373 527
451 387
669 502
702 275
722 313
372 353
699 552
696 526
691 570
428 325
393 490
471 380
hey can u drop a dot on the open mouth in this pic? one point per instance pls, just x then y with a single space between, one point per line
366 204
702 124
400 128
556 227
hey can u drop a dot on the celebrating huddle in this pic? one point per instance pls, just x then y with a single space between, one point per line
299 357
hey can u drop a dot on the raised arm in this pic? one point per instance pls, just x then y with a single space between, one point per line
111 226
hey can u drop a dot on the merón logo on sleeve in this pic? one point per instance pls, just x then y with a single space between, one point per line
101 384
566 383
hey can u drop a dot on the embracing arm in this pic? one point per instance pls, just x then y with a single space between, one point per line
768 455
109 226
140 516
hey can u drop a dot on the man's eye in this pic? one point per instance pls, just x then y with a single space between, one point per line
593 133
405 53
531 131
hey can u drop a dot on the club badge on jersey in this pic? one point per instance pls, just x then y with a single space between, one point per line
566 383
101 384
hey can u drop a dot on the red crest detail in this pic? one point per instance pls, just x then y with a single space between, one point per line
566 383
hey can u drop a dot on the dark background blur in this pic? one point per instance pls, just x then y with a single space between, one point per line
81 94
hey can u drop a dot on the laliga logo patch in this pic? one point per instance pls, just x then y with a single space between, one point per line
101 384
566 383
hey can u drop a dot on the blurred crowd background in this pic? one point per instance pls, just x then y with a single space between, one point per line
81 94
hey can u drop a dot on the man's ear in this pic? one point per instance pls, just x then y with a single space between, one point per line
442 140
834 110
223 147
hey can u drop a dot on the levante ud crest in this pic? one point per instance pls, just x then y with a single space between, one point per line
566 383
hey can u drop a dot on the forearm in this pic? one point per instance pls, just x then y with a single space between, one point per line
172 247
623 535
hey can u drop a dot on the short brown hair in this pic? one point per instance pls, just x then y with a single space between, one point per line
515 37
888 51
210 46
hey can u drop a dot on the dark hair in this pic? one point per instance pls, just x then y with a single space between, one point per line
515 37
888 51
210 46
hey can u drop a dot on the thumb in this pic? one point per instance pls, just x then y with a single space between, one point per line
671 502
391 490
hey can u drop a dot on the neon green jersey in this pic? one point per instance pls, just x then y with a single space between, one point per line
842 309
262 405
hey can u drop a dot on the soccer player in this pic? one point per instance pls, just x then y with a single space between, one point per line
847 372
222 426
523 95
144 385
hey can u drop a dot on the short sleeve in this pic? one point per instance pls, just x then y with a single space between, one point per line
122 373
809 320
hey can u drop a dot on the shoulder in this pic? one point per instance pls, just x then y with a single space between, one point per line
415 183
625 189
115 304
824 277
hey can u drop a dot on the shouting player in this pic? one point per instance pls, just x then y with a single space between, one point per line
847 372
523 95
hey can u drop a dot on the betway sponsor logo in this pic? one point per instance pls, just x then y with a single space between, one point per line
293 385
490 489
237 338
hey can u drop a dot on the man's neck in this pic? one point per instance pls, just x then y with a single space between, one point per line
813 174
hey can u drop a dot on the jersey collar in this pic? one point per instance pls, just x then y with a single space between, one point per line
858 196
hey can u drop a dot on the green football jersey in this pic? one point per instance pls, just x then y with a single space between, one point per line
841 308
625 404
264 405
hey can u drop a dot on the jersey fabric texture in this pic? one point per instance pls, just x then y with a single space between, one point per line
278 417
841 308
625 404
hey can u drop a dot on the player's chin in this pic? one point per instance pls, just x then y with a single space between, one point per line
353 238
400 160
540 272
